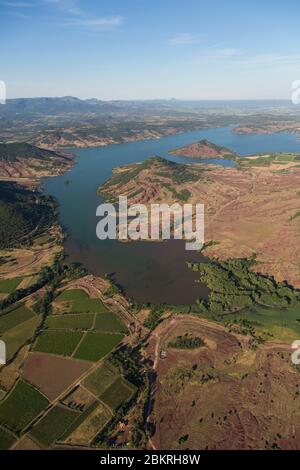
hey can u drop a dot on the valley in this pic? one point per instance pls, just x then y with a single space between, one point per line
124 367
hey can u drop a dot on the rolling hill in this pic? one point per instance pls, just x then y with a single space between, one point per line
19 160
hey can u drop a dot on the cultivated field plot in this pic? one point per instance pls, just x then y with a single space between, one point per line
81 417
50 428
107 322
110 322
11 372
79 321
79 399
40 369
14 317
58 342
9 285
94 346
107 383
99 380
16 337
21 406
77 301
91 426
117 393
6 439
26 443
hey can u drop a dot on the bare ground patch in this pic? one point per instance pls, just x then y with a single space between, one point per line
52 374
224 395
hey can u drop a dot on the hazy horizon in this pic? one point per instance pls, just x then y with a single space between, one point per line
227 100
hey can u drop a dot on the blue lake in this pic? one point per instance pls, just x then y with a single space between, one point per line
148 272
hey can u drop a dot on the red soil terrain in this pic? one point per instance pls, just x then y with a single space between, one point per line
247 210
202 149
225 395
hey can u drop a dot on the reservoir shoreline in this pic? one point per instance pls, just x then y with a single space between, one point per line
148 272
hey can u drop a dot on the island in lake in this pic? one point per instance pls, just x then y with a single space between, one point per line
203 149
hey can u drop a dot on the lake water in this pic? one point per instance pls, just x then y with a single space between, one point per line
148 272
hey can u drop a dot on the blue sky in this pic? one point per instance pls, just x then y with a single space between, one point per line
146 49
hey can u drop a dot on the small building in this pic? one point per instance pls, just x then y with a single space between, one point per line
163 354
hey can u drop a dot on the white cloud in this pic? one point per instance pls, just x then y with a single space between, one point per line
245 60
17 14
269 59
69 6
214 53
107 22
18 4
229 52
182 39
82 19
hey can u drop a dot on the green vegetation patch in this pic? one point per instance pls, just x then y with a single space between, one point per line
22 213
20 335
50 428
101 378
297 214
78 321
42 240
9 285
110 322
91 426
14 317
271 323
72 294
187 341
6 439
21 406
80 302
97 345
267 160
155 317
81 417
237 294
12 151
179 173
117 393
58 342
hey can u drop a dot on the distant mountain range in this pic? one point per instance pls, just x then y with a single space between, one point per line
71 104
52 122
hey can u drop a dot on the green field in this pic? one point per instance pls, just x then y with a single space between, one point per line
42 240
16 337
58 342
117 393
72 294
54 425
97 345
80 302
79 321
14 317
81 417
267 160
262 307
110 322
101 378
6 439
281 324
90 426
21 406
9 285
